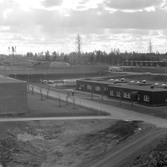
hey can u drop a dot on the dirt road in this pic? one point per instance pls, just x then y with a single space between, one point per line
126 151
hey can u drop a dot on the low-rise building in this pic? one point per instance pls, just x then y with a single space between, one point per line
142 92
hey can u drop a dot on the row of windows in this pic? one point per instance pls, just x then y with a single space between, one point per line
127 95
89 87
142 64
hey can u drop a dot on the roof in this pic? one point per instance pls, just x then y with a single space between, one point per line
9 80
127 85
139 88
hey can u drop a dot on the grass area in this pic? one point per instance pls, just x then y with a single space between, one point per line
84 69
55 107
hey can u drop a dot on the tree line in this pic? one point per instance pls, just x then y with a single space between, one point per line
115 57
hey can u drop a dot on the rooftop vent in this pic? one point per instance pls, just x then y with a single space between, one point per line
164 85
152 86
156 84
144 81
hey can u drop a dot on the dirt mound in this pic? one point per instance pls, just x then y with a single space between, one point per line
90 146
156 157
14 152
60 143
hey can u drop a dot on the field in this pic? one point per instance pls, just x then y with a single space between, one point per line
53 107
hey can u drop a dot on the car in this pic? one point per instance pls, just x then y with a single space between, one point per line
50 82
147 73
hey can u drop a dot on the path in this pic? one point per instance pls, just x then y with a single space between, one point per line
114 112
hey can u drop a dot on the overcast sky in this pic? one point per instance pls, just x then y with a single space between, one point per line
41 25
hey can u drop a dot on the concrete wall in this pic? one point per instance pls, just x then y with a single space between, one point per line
13 98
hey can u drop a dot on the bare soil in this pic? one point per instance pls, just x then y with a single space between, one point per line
62 143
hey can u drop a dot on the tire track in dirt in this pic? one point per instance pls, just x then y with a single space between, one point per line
123 153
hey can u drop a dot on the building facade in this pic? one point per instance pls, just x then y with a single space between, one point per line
13 96
145 63
141 92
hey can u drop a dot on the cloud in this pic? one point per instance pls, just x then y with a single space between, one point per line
132 4
52 3
40 27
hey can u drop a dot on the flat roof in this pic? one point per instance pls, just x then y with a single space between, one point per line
4 79
130 86
139 88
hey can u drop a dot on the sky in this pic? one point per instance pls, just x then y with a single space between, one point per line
40 25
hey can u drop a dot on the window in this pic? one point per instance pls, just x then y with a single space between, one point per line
166 98
146 98
81 85
112 93
98 88
89 87
118 93
126 95
138 97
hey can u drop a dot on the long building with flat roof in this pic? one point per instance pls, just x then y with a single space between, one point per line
143 92
13 96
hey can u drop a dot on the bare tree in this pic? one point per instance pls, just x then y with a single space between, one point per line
9 50
47 91
59 99
78 43
41 93
150 46
74 106
32 89
13 50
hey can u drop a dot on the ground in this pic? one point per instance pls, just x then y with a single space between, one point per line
77 143
63 143
55 107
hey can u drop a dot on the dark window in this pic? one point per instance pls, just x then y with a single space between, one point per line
89 87
118 93
138 97
146 98
166 98
112 93
98 88
126 95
